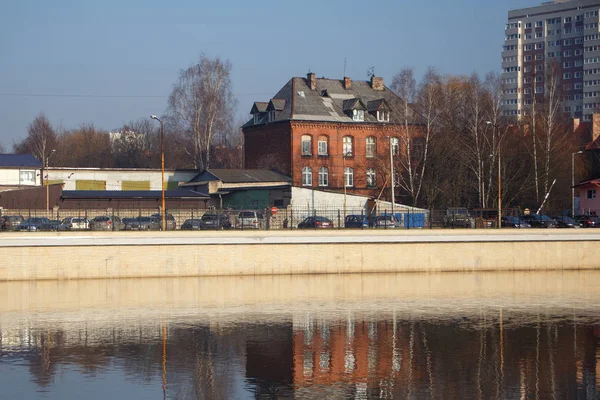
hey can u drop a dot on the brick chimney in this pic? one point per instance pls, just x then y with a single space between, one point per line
377 83
595 126
311 81
347 83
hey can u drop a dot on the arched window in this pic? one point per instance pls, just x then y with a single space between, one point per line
371 147
347 146
371 177
323 176
322 145
349 176
306 145
307 176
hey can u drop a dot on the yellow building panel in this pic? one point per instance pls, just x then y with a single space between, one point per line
135 185
90 185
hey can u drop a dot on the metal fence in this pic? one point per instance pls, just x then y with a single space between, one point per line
289 218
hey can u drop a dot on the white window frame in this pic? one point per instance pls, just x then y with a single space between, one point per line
307 176
371 147
395 143
323 176
347 146
306 145
371 177
322 147
349 176
358 115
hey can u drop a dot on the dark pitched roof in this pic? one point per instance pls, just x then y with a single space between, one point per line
353 104
19 160
259 107
379 104
240 176
329 102
276 104
132 194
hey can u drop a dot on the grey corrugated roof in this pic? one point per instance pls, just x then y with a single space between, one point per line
326 102
247 175
19 160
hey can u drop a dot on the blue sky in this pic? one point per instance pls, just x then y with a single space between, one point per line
136 48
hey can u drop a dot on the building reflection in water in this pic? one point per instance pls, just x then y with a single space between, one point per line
467 349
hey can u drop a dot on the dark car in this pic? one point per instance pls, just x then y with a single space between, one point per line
34 224
215 221
356 221
52 225
458 217
539 221
191 225
170 221
588 221
141 224
106 223
11 222
514 222
316 222
566 222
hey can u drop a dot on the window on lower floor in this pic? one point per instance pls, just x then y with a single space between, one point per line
307 176
591 194
371 177
370 147
323 176
349 176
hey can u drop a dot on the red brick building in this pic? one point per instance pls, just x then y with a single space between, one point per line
326 132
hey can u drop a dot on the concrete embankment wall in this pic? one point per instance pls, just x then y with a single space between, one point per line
60 256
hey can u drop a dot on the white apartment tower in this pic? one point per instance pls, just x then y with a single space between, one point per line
561 36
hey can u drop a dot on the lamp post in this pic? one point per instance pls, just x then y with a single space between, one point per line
573 182
162 170
392 175
47 158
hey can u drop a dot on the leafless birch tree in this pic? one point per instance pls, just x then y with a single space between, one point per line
201 105
41 139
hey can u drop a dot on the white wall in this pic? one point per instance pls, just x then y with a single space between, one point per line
115 177
19 176
302 198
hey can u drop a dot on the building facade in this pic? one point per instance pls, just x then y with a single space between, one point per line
554 44
329 134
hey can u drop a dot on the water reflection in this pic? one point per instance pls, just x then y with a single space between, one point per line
485 336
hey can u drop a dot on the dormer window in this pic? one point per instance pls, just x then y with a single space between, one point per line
256 118
271 116
358 115
383 116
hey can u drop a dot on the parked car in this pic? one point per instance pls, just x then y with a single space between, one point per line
316 222
34 224
250 220
566 222
141 224
458 217
356 221
385 221
514 222
11 222
51 225
538 220
215 221
74 224
171 223
106 223
191 224
588 221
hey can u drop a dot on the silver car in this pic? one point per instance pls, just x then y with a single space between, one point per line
250 220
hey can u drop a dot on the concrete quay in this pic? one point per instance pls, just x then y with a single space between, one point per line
100 255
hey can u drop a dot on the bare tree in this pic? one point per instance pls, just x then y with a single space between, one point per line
136 145
41 139
201 105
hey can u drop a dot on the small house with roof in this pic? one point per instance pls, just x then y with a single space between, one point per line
19 170
330 134
242 188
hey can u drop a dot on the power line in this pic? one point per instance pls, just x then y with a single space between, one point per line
105 96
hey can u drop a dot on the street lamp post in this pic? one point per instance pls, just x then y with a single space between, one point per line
162 170
573 182
47 159
392 175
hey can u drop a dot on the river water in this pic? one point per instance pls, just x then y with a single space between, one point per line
522 335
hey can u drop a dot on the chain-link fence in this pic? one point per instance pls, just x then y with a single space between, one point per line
290 218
